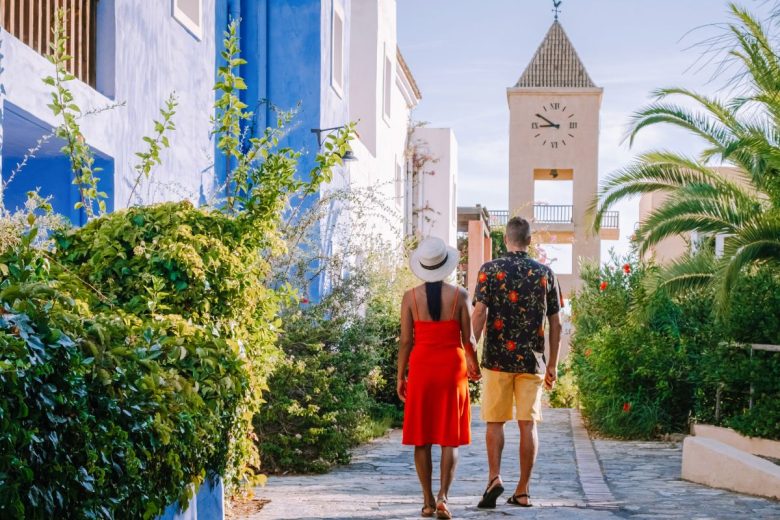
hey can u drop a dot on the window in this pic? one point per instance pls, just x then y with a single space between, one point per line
337 51
387 89
399 183
189 13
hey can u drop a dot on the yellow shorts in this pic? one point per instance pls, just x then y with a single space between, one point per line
499 389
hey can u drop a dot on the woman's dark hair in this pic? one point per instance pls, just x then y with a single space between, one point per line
433 295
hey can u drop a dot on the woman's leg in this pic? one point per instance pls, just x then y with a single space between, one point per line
449 462
422 461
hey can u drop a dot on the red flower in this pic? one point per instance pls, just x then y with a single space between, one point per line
304 300
513 296
498 324
543 282
588 353
482 277
626 407
627 268
501 275
603 286
511 345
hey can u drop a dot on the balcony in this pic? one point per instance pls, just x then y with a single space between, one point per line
31 21
559 217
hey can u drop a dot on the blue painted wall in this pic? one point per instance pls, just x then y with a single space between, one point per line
48 171
281 40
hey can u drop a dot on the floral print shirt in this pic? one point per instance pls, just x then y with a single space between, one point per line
519 293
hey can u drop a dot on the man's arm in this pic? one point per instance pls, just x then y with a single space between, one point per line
478 320
555 345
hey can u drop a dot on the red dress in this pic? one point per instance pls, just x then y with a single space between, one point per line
437 409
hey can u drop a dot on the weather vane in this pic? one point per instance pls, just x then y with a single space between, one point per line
556 8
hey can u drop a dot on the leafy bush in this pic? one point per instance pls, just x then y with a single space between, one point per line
565 394
324 394
104 411
647 364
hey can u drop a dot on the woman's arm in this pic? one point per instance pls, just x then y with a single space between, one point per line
467 335
405 348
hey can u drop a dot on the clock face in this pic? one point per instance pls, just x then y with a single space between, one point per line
554 126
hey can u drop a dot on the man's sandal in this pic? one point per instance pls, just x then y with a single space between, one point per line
491 495
441 509
513 500
428 510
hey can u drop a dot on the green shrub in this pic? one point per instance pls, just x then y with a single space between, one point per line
325 395
104 411
634 355
565 394
647 365
192 264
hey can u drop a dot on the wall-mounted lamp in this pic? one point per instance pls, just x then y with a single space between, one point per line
348 155
554 173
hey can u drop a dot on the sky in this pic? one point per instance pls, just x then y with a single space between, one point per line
465 53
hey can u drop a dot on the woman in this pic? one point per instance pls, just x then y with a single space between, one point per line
438 347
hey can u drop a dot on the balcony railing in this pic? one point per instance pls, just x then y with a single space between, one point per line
31 21
554 214
498 218
611 220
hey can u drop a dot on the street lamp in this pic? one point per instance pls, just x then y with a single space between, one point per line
348 155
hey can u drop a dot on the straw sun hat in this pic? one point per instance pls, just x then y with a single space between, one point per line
433 260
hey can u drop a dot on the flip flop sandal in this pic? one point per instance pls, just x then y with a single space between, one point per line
513 500
431 511
491 495
441 509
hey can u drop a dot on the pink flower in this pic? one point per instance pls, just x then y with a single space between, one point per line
304 300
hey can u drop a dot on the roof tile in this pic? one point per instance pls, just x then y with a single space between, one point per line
555 64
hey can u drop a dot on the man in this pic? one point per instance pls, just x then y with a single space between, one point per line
514 295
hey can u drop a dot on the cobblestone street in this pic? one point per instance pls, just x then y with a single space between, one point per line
642 481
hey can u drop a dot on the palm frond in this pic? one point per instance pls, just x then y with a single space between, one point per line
757 242
689 273
657 172
715 132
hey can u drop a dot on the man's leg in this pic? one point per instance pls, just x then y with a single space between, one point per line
529 445
497 397
495 446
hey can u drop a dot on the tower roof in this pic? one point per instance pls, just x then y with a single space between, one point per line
555 64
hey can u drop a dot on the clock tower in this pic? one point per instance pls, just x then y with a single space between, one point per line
554 137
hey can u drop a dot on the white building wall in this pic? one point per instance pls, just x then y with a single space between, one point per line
381 145
436 212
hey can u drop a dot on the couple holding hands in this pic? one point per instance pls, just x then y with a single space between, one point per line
514 297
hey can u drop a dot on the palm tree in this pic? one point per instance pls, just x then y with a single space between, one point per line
743 131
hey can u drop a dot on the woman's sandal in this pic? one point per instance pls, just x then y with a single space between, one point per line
513 500
491 495
431 510
441 509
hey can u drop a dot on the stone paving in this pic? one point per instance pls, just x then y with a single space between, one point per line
642 477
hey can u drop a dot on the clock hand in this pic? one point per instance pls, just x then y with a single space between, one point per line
540 116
